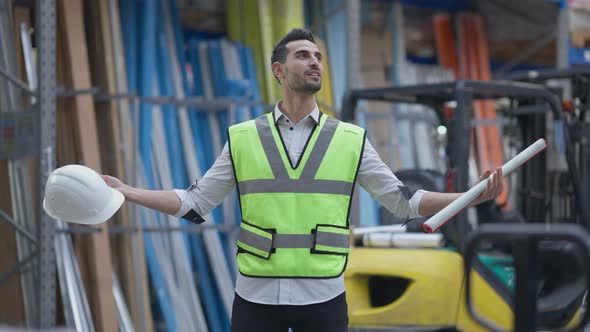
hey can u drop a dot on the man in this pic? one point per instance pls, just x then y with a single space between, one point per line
295 169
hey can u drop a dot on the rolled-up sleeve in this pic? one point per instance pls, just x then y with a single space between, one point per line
209 191
380 182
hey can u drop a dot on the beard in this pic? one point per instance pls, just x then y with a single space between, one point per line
299 83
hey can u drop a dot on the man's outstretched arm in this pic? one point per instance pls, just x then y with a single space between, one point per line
165 201
378 179
191 203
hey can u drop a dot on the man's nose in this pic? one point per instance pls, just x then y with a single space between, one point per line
315 63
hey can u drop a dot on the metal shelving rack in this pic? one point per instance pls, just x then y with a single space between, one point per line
44 115
46 104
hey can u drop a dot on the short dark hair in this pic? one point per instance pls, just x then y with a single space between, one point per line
280 50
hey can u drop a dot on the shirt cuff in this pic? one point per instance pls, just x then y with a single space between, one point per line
181 193
415 202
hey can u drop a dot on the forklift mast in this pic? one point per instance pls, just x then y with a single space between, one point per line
459 129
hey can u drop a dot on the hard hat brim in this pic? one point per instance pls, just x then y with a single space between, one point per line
117 199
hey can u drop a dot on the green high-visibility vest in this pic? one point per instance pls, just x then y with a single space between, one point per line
294 217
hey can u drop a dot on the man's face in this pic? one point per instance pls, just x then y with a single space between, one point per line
303 67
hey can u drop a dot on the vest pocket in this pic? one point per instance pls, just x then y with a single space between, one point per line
330 239
255 240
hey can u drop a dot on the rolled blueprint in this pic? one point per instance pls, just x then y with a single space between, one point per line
443 216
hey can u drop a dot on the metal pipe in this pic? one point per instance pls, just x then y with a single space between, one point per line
353 64
17 81
46 67
17 267
528 52
19 228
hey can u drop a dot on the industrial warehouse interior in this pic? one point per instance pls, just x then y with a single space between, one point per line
294 165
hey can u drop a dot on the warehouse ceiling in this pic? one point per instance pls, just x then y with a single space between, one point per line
512 27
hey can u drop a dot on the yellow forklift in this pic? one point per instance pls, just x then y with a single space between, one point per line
424 289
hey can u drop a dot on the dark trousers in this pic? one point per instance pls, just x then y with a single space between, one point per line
329 316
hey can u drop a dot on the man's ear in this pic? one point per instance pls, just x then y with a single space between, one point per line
277 70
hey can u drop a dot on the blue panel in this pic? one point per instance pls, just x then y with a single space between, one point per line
219 82
369 208
562 3
221 89
199 119
146 74
142 68
180 44
173 142
200 34
578 56
201 138
249 69
128 11
441 5
337 49
216 319
495 65
129 31
423 60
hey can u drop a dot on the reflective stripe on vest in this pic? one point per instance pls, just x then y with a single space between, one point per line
316 156
295 186
294 218
306 182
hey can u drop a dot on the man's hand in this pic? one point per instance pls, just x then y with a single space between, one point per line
494 187
114 183
432 202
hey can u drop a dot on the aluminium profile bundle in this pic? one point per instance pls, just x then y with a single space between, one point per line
76 308
18 169
125 323
211 236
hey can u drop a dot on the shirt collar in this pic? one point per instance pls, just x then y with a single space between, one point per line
314 115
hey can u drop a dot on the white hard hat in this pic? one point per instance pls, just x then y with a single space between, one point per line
76 193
